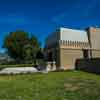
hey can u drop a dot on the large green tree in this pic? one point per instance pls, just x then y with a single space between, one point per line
21 46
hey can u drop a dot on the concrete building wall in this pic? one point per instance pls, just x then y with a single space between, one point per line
73 35
52 39
67 45
95 37
96 53
68 57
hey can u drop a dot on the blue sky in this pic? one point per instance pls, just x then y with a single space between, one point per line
41 17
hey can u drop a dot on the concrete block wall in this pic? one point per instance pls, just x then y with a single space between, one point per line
73 44
94 34
95 53
68 58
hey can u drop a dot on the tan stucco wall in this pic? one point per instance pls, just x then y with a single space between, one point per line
68 57
95 37
96 53
66 52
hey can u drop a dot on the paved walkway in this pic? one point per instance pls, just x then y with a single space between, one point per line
18 70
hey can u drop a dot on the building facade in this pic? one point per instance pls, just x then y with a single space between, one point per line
66 45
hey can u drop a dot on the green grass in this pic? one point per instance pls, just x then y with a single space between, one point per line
69 85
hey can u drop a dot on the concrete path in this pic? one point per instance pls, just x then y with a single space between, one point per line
18 70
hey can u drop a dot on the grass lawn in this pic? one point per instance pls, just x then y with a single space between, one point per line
52 86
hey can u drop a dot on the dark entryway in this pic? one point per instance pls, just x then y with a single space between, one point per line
50 56
85 53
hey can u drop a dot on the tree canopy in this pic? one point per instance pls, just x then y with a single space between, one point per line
21 46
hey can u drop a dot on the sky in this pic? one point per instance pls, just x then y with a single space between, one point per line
42 17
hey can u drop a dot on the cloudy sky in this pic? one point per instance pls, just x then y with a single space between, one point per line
41 17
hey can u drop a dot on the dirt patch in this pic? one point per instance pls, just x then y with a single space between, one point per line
71 87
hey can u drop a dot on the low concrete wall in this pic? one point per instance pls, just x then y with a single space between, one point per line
88 65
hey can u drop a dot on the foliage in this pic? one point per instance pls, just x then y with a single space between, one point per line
52 86
20 46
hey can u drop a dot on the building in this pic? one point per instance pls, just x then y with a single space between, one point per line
66 45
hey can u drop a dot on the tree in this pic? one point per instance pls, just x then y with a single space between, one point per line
35 45
20 46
